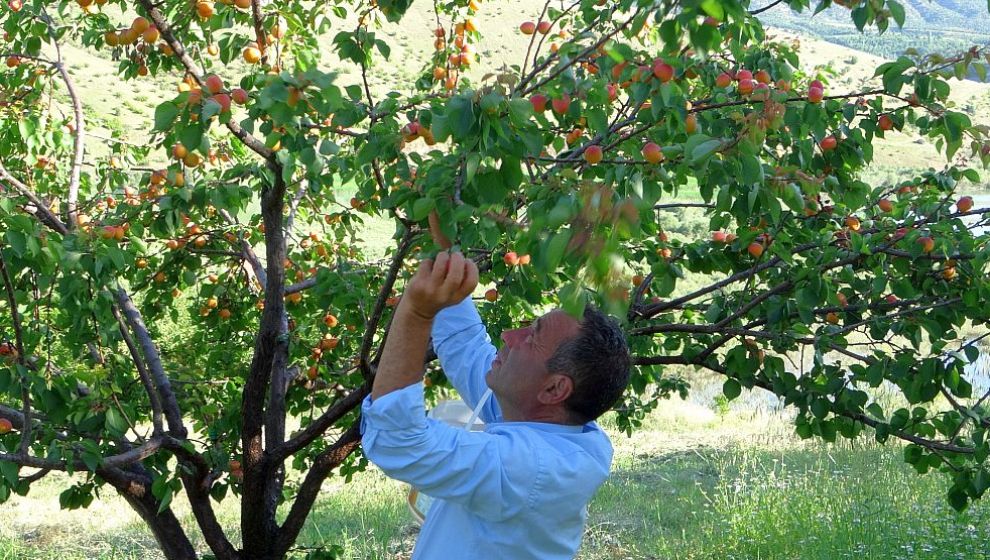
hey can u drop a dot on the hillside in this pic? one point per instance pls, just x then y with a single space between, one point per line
930 26
899 154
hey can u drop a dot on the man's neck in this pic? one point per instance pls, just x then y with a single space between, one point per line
546 415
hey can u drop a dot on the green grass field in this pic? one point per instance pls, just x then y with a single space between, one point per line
698 481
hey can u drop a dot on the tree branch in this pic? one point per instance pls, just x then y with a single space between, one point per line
197 481
149 387
170 404
578 58
268 366
133 455
325 462
765 8
254 144
41 210
19 343
376 313
320 425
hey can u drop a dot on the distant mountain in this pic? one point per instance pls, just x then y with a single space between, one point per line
945 26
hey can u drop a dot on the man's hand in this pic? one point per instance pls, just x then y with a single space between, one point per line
440 283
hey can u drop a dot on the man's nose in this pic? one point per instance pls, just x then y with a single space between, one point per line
510 337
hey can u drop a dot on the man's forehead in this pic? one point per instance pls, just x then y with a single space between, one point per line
556 317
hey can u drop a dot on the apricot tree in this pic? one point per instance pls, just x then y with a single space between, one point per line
197 315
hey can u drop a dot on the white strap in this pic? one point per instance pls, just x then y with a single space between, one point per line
477 410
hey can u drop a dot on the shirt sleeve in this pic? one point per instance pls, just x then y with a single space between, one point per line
493 476
466 354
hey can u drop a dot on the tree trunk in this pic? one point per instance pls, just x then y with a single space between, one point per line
168 532
262 486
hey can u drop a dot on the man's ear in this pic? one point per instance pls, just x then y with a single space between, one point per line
557 388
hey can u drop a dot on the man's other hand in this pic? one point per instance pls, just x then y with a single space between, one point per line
440 283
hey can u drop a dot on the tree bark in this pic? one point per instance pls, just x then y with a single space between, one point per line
165 527
309 490
262 485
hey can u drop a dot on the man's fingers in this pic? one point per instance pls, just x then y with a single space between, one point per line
440 265
425 268
455 273
470 281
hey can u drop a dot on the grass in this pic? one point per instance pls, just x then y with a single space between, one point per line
692 484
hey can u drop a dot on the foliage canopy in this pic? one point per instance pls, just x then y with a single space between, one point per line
551 173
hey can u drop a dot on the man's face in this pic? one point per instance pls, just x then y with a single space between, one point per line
519 369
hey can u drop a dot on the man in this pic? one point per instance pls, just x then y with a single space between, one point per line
519 489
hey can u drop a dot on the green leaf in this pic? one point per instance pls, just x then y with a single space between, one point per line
573 298
115 422
752 169
893 74
471 164
91 459
555 249
165 115
329 148
520 111
27 128
713 8
875 410
9 471
422 207
597 120
913 454
957 498
705 149
859 16
897 11
383 48
490 188
460 117
731 388
792 197
191 137
819 407
18 242
166 500
511 172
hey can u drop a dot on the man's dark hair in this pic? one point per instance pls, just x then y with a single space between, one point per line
598 362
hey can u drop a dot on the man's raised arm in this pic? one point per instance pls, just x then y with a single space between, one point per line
437 284
461 342
466 354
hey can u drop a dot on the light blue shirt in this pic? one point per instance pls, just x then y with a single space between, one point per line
516 491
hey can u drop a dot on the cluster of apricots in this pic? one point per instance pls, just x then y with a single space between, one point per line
754 85
513 259
450 62
143 36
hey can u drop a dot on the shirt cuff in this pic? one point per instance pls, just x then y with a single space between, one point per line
401 409
454 319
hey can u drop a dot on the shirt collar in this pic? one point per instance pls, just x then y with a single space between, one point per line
545 427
